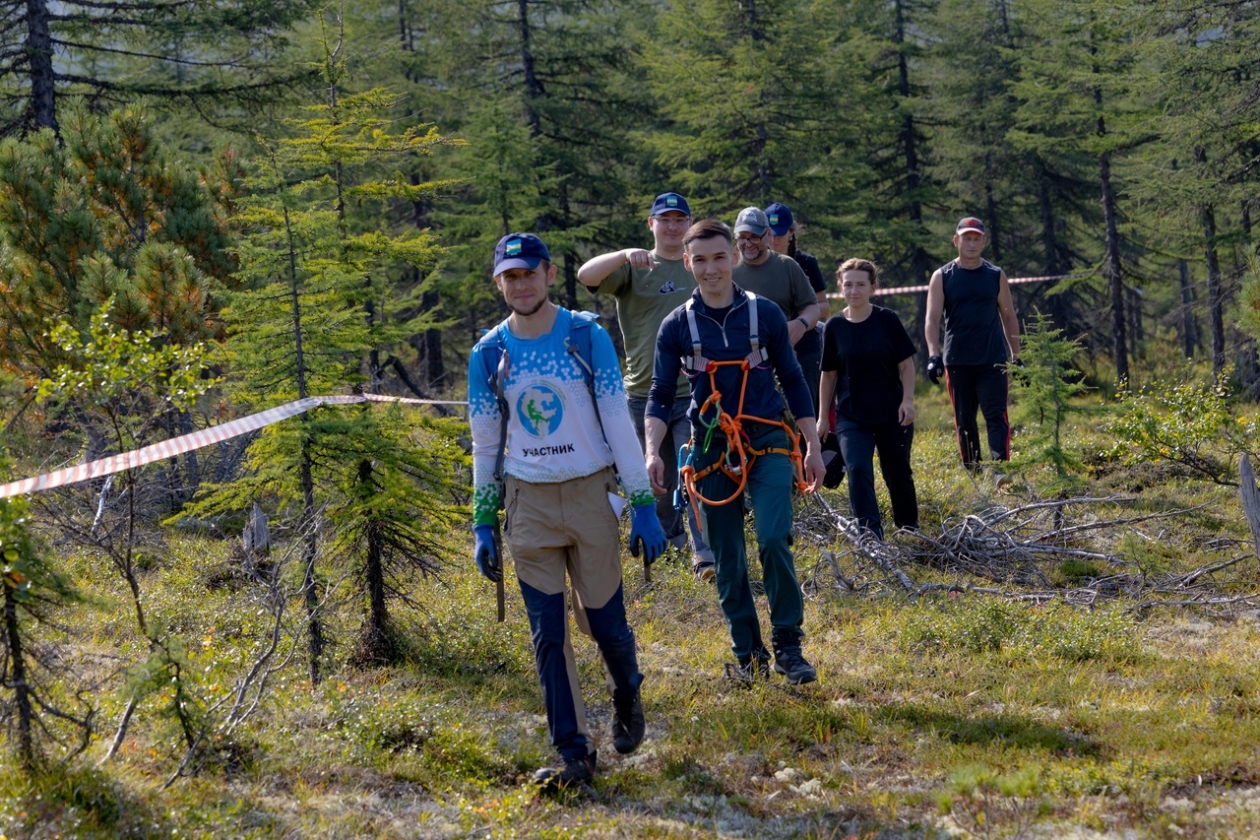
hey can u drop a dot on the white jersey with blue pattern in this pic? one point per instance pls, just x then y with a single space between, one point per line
553 433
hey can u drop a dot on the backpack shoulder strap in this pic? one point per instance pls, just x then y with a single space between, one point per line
497 365
756 354
578 345
696 361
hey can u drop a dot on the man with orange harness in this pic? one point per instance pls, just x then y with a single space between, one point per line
733 345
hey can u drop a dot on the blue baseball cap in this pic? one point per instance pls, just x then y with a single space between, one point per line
779 217
519 250
665 202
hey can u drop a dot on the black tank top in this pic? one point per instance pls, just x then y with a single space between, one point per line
971 321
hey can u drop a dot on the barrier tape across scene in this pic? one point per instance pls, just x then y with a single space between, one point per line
194 440
909 290
244 425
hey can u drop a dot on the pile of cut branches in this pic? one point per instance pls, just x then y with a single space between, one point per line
1009 552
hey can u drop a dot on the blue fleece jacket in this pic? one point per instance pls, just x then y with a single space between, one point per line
725 339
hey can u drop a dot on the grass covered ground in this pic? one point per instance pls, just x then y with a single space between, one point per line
933 716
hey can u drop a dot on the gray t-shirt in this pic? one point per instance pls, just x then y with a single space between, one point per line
783 281
644 297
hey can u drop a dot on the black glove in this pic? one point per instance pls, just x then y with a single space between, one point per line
935 369
1017 370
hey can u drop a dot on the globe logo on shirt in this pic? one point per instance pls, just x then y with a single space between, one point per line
540 409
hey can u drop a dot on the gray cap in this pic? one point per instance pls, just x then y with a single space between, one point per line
751 219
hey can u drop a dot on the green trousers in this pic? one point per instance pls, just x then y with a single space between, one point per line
769 490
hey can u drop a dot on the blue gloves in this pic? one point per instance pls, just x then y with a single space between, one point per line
646 533
486 553
935 369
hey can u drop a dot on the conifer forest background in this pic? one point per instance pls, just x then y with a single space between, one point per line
210 209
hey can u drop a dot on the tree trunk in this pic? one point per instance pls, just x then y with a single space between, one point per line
16 680
1114 276
1060 305
570 259
435 368
374 646
1216 304
1248 362
1188 333
430 300
918 257
1134 311
405 37
1216 307
39 51
310 551
533 88
991 211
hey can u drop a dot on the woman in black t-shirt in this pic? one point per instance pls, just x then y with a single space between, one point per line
868 375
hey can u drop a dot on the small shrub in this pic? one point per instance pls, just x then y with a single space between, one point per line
1188 424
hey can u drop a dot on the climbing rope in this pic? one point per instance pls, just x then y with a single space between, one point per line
740 453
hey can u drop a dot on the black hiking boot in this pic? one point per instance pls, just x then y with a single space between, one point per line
752 668
574 772
788 660
628 723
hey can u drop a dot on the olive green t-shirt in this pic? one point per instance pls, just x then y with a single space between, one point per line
644 297
780 279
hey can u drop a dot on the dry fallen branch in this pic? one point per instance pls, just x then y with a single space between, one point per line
1019 548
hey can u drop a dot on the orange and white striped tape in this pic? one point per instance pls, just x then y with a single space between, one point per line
189 442
909 290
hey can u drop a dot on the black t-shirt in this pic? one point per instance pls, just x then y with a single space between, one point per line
865 356
809 265
809 341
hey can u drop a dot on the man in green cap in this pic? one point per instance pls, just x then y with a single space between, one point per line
647 286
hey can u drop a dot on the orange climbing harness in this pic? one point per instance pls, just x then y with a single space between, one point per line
740 453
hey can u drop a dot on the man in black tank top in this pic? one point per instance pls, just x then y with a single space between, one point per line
970 313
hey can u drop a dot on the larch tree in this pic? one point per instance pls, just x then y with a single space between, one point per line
1079 93
116 51
319 311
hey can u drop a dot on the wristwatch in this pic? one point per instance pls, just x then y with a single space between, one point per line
804 323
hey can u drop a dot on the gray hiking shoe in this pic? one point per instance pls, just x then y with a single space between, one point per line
750 669
575 772
788 660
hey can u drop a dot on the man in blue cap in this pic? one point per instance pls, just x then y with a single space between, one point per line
647 286
548 425
783 231
782 238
